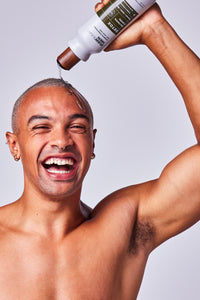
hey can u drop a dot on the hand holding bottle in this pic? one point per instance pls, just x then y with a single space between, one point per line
137 33
112 18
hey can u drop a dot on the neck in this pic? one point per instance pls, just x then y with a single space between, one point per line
51 217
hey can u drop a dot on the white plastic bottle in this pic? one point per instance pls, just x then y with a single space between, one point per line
96 34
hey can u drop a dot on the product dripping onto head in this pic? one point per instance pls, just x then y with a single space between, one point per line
60 71
79 100
72 91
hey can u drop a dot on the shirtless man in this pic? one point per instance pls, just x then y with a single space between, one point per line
51 245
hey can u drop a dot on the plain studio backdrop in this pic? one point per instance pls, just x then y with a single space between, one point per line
141 119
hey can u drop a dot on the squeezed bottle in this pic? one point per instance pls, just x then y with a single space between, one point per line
101 29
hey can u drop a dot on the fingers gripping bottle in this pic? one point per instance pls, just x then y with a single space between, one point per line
100 30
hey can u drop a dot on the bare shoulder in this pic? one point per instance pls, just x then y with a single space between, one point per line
120 211
145 215
7 213
172 203
114 203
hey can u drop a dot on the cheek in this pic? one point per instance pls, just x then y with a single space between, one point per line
86 144
85 147
28 157
30 150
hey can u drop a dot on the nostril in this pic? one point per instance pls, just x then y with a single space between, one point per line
62 141
66 148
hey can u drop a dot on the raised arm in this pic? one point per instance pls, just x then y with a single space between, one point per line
174 202
171 203
182 65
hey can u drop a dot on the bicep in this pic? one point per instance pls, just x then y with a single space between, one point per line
172 202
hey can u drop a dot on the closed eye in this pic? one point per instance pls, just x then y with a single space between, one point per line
76 128
41 128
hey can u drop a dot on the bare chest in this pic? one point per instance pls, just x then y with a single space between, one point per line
83 267
70 274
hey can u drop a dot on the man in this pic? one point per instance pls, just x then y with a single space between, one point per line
53 246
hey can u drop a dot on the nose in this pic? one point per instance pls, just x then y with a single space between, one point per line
61 139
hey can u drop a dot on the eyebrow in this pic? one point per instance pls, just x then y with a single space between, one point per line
79 116
38 117
43 117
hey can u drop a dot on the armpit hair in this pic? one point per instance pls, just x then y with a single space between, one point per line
142 233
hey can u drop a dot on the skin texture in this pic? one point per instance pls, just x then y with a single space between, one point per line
53 244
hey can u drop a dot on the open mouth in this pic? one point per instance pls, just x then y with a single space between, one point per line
56 165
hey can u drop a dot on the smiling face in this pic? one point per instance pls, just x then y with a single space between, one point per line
55 141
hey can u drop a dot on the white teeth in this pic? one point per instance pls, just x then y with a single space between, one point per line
58 171
59 161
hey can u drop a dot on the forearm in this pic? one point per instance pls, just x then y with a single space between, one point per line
182 65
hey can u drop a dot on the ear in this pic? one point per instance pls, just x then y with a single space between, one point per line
13 145
94 134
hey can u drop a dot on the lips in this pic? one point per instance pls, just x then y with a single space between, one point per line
60 167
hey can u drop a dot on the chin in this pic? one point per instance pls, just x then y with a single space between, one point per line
60 193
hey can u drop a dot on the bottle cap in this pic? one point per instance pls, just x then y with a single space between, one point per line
67 59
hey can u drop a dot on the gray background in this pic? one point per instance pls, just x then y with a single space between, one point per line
141 120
